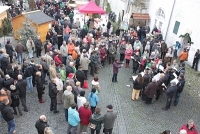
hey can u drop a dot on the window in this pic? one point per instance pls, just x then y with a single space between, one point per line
176 27
160 25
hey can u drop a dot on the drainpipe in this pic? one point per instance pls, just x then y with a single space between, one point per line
170 19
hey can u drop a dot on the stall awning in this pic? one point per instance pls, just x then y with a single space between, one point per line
140 16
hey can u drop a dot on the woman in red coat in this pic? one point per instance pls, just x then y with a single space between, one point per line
190 127
103 54
128 54
57 60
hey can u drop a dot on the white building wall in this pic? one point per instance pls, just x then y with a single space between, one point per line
186 12
117 6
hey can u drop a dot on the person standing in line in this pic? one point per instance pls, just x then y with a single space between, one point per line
116 66
93 99
7 114
109 120
53 94
28 72
64 52
170 92
196 60
180 86
21 87
68 99
39 86
9 50
73 119
41 124
59 85
84 113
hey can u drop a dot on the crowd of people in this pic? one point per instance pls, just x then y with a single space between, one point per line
68 59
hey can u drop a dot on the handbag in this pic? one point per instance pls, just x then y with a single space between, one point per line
93 126
85 84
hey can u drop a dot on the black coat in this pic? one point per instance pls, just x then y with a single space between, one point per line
38 44
21 87
150 90
137 85
40 126
171 91
80 76
15 98
180 85
1 82
52 90
4 63
39 84
6 112
8 82
69 70
9 49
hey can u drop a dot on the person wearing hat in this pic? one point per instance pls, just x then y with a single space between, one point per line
170 92
15 100
109 120
180 86
84 114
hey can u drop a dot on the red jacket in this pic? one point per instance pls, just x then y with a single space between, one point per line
84 114
193 130
57 60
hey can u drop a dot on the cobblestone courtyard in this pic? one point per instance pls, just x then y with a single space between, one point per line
133 117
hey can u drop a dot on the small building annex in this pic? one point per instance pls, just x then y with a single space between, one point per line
39 20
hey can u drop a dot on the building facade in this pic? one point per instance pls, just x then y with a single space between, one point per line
175 18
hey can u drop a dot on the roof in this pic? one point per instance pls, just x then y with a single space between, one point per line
38 17
139 16
3 8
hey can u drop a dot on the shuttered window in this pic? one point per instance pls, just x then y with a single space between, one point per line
176 27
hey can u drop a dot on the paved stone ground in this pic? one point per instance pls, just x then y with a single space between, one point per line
133 117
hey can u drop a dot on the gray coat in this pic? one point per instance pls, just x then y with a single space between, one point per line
68 99
112 52
122 48
109 119
84 62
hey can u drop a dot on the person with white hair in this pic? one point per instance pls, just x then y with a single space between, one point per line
15 100
41 124
188 128
8 81
53 94
170 92
39 85
150 91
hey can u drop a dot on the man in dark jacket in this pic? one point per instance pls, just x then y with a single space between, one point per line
53 94
196 60
55 40
80 76
28 75
163 49
45 68
4 62
109 120
1 82
170 92
150 91
19 49
38 46
8 116
41 124
9 50
116 66
180 86
21 86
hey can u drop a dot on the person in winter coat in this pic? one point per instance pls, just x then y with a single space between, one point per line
15 100
21 87
111 54
180 86
84 63
80 75
71 47
122 49
39 86
116 66
64 52
53 94
138 44
183 55
30 47
92 63
57 60
95 84
5 94
73 119
163 49
9 50
196 60
150 91
52 70
38 46
136 60
93 99
59 85
41 124
4 62
20 50
103 54
84 114
68 99
96 121
190 127
170 92
8 81
170 52
81 99
128 54
138 85
7 114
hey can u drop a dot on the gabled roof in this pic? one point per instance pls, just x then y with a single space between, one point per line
37 17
